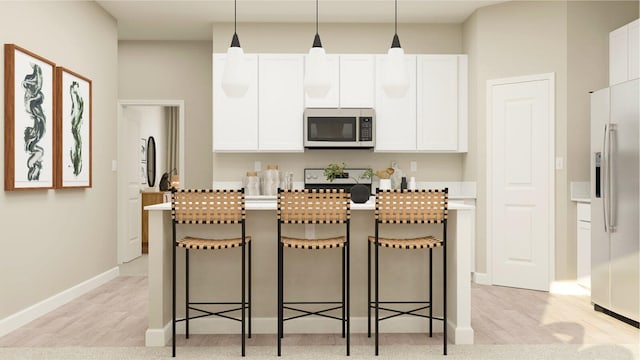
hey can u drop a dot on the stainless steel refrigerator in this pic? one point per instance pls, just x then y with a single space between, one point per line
615 195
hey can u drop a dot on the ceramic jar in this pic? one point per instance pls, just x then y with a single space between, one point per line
271 180
252 184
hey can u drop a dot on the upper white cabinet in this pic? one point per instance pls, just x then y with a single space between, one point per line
624 53
332 98
357 81
281 102
352 83
442 103
432 116
235 120
396 117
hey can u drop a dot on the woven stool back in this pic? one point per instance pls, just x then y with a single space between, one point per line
411 206
314 206
207 206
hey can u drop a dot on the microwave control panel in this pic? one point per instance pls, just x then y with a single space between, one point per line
366 128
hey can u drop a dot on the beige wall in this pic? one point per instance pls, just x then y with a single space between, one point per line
527 37
340 38
174 70
53 240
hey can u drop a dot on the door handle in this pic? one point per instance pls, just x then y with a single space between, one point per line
612 177
603 176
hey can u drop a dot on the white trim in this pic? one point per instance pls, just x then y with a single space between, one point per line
160 337
550 77
121 155
22 317
481 278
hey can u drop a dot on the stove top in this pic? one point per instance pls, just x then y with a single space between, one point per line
314 179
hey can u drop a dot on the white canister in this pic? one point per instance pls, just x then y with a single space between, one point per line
385 184
412 183
271 180
252 184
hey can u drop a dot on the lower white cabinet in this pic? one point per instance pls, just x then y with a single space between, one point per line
584 245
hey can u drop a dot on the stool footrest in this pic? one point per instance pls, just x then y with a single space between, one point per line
320 312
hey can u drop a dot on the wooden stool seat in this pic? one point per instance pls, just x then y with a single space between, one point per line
425 242
210 244
314 244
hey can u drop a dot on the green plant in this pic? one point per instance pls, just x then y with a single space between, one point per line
336 171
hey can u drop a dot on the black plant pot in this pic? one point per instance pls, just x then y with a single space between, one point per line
359 193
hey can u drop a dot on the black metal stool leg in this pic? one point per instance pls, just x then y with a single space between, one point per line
186 295
444 285
368 288
173 300
348 297
343 290
279 336
249 301
430 292
377 289
242 300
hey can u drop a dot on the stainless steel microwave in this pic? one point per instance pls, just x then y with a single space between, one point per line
339 128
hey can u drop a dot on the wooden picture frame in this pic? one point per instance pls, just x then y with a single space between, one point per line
73 130
29 98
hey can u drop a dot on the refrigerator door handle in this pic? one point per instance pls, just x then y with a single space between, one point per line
604 178
611 177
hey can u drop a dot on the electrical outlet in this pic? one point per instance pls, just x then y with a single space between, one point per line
414 166
394 164
114 165
559 163
257 165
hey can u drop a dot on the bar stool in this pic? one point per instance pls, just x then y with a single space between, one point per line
313 207
409 207
200 207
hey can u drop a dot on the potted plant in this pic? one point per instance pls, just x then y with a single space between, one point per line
359 192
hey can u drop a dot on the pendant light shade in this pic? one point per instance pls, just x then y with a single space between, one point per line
316 76
235 79
395 77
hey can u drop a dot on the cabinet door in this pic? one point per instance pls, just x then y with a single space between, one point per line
584 254
618 55
332 99
634 50
437 103
357 86
281 102
235 120
396 117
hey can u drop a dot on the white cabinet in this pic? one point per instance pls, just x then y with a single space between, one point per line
235 120
352 83
396 117
332 98
442 103
357 81
624 48
583 270
281 102
432 116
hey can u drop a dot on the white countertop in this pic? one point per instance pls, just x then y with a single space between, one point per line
269 203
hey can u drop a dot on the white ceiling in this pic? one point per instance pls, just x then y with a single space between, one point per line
192 20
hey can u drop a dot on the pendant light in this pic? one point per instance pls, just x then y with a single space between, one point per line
316 76
395 78
235 80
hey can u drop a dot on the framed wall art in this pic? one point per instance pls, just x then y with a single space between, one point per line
28 120
73 130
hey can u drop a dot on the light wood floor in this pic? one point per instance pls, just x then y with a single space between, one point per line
116 315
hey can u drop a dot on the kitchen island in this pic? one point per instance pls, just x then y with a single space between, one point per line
311 274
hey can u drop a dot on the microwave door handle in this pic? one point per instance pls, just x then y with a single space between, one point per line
603 177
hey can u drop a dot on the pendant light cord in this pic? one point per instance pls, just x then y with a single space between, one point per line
396 21
316 16
235 4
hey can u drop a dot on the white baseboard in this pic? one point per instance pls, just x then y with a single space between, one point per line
158 337
13 322
481 278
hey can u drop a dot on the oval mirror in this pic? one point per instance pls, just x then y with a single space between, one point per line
151 161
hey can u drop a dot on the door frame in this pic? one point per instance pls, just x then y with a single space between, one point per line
551 161
122 156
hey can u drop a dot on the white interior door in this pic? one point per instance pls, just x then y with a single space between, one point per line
520 123
132 246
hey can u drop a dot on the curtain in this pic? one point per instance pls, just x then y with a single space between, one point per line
172 140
